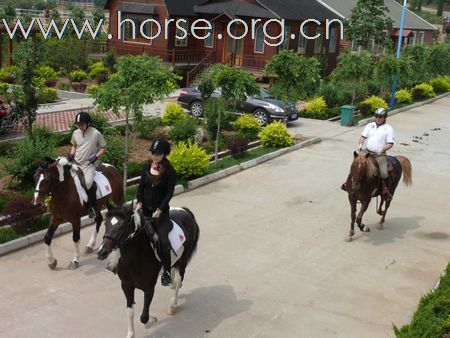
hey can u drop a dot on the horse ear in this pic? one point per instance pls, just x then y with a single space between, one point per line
355 154
367 155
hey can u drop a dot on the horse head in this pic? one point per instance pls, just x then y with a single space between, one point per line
361 170
43 178
119 226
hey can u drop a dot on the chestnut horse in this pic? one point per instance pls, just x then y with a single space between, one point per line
138 266
55 178
363 183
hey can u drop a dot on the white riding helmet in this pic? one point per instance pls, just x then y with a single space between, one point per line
381 112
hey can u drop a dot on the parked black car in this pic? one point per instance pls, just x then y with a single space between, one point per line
263 106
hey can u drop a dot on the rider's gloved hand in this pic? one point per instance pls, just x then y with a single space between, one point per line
71 157
93 159
360 147
157 213
380 151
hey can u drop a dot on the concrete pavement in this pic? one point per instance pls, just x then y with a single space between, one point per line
272 260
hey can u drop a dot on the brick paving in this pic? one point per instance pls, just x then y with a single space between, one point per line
62 120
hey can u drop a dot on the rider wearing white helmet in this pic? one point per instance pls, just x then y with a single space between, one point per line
88 144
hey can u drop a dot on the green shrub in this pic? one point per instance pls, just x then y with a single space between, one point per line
440 85
23 217
3 88
317 107
146 128
183 130
247 126
92 89
47 95
116 148
135 168
188 159
275 135
28 154
173 113
97 69
403 96
334 94
9 72
376 102
78 75
423 90
46 73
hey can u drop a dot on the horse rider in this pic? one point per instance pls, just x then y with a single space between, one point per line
155 190
88 145
380 138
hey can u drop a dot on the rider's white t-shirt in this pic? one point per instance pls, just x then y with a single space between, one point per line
377 137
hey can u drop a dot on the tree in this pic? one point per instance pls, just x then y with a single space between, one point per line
385 70
297 76
25 96
353 70
368 21
97 15
235 84
8 11
420 57
69 53
440 7
139 80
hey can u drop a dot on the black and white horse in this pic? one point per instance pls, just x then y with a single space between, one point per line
138 267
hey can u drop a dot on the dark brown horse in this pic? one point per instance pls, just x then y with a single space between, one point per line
138 267
55 178
363 183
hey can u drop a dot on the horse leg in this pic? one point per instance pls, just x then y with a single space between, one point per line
352 224
177 279
90 246
51 260
129 294
381 223
146 319
75 262
361 226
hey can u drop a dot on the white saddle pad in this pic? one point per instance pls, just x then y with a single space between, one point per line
103 187
176 238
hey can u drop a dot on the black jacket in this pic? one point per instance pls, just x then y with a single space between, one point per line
153 197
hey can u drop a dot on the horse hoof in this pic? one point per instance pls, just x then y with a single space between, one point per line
73 265
380 226
152 321
349 239
366 229
52 266
88 250
171 310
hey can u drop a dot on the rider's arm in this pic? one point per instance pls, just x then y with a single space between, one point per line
386 147
101 151
171 180
73 149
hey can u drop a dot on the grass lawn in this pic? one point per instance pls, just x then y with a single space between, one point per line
432 318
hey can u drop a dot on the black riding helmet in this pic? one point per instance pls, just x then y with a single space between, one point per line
160 146
82 117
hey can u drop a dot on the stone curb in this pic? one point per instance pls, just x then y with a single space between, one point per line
399 110
36 237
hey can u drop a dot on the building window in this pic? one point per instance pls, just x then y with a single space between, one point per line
128 30
412 40
181 33
420 37
318 41
333 40
259 40
209 41
287 37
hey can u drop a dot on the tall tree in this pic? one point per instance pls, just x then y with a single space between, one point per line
368 21
139 80
235 85
440 7
25 96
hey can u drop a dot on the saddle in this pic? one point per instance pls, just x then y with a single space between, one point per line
390 164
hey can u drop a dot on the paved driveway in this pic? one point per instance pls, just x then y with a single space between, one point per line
272 261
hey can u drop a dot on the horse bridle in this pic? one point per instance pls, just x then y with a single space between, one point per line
127 235
45 193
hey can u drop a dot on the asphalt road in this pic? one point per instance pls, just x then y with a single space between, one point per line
272 260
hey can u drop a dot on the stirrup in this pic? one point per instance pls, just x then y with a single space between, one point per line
92 212
166 279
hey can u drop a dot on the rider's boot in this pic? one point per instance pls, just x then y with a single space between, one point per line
92 200
166 279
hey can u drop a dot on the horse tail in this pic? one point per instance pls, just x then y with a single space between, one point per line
197 234
407 170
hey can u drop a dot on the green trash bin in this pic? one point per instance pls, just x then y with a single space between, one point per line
347 115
